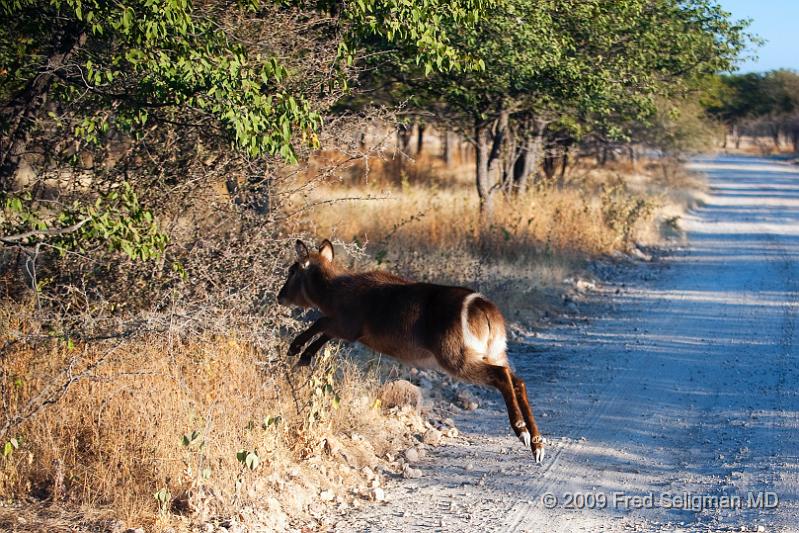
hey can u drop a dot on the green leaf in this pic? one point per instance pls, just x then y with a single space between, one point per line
241 455
252 461
271 420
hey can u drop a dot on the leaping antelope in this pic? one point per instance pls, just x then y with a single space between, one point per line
450 329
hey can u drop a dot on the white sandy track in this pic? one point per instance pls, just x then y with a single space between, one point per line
684 381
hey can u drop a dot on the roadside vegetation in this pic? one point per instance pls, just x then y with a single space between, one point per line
158 160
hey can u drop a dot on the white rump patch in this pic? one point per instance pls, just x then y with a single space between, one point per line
494 352
497 349
470 340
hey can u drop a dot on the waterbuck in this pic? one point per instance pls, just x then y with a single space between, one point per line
451 329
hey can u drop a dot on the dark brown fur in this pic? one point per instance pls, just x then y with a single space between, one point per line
420 324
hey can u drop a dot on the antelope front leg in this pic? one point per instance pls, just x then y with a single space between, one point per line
311 350
301 339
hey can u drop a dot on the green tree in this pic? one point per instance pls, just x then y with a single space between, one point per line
77 74
566 65
760 103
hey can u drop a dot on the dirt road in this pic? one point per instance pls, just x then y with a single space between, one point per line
682 383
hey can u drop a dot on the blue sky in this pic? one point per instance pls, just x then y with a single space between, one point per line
777 21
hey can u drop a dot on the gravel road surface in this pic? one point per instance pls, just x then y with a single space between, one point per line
673 407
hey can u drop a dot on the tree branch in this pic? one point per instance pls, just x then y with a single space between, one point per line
14 240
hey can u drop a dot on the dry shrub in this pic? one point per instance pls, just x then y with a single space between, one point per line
164 413
442 214
432 234
400 393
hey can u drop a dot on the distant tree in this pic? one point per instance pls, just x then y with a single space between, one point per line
592 64
760 103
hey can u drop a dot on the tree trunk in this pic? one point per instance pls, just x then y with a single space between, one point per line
528 162
564 163
736 135
448 148
549 163
603 158
419 138
482 169
404 133
488 147
510 157
21 113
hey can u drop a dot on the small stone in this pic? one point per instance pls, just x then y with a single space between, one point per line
467 401
411 455
452 432
317 510
332 445
411 473
378 494
432 437
761 528
327 495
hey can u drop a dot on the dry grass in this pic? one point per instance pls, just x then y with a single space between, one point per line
420 219
759 146
161 413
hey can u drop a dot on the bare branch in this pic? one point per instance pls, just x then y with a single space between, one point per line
13 240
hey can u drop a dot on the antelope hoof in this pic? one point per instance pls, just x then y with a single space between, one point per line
538 453
525 438
538 448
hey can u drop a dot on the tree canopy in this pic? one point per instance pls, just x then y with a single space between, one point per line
514 76
582 67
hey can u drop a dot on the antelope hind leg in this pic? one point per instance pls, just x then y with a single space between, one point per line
499 377
537 444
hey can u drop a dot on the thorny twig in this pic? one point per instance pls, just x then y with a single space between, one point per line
51 394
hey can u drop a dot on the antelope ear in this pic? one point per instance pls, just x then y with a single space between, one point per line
302 253
326 250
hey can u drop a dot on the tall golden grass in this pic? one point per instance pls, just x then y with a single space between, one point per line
421 219
164 415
